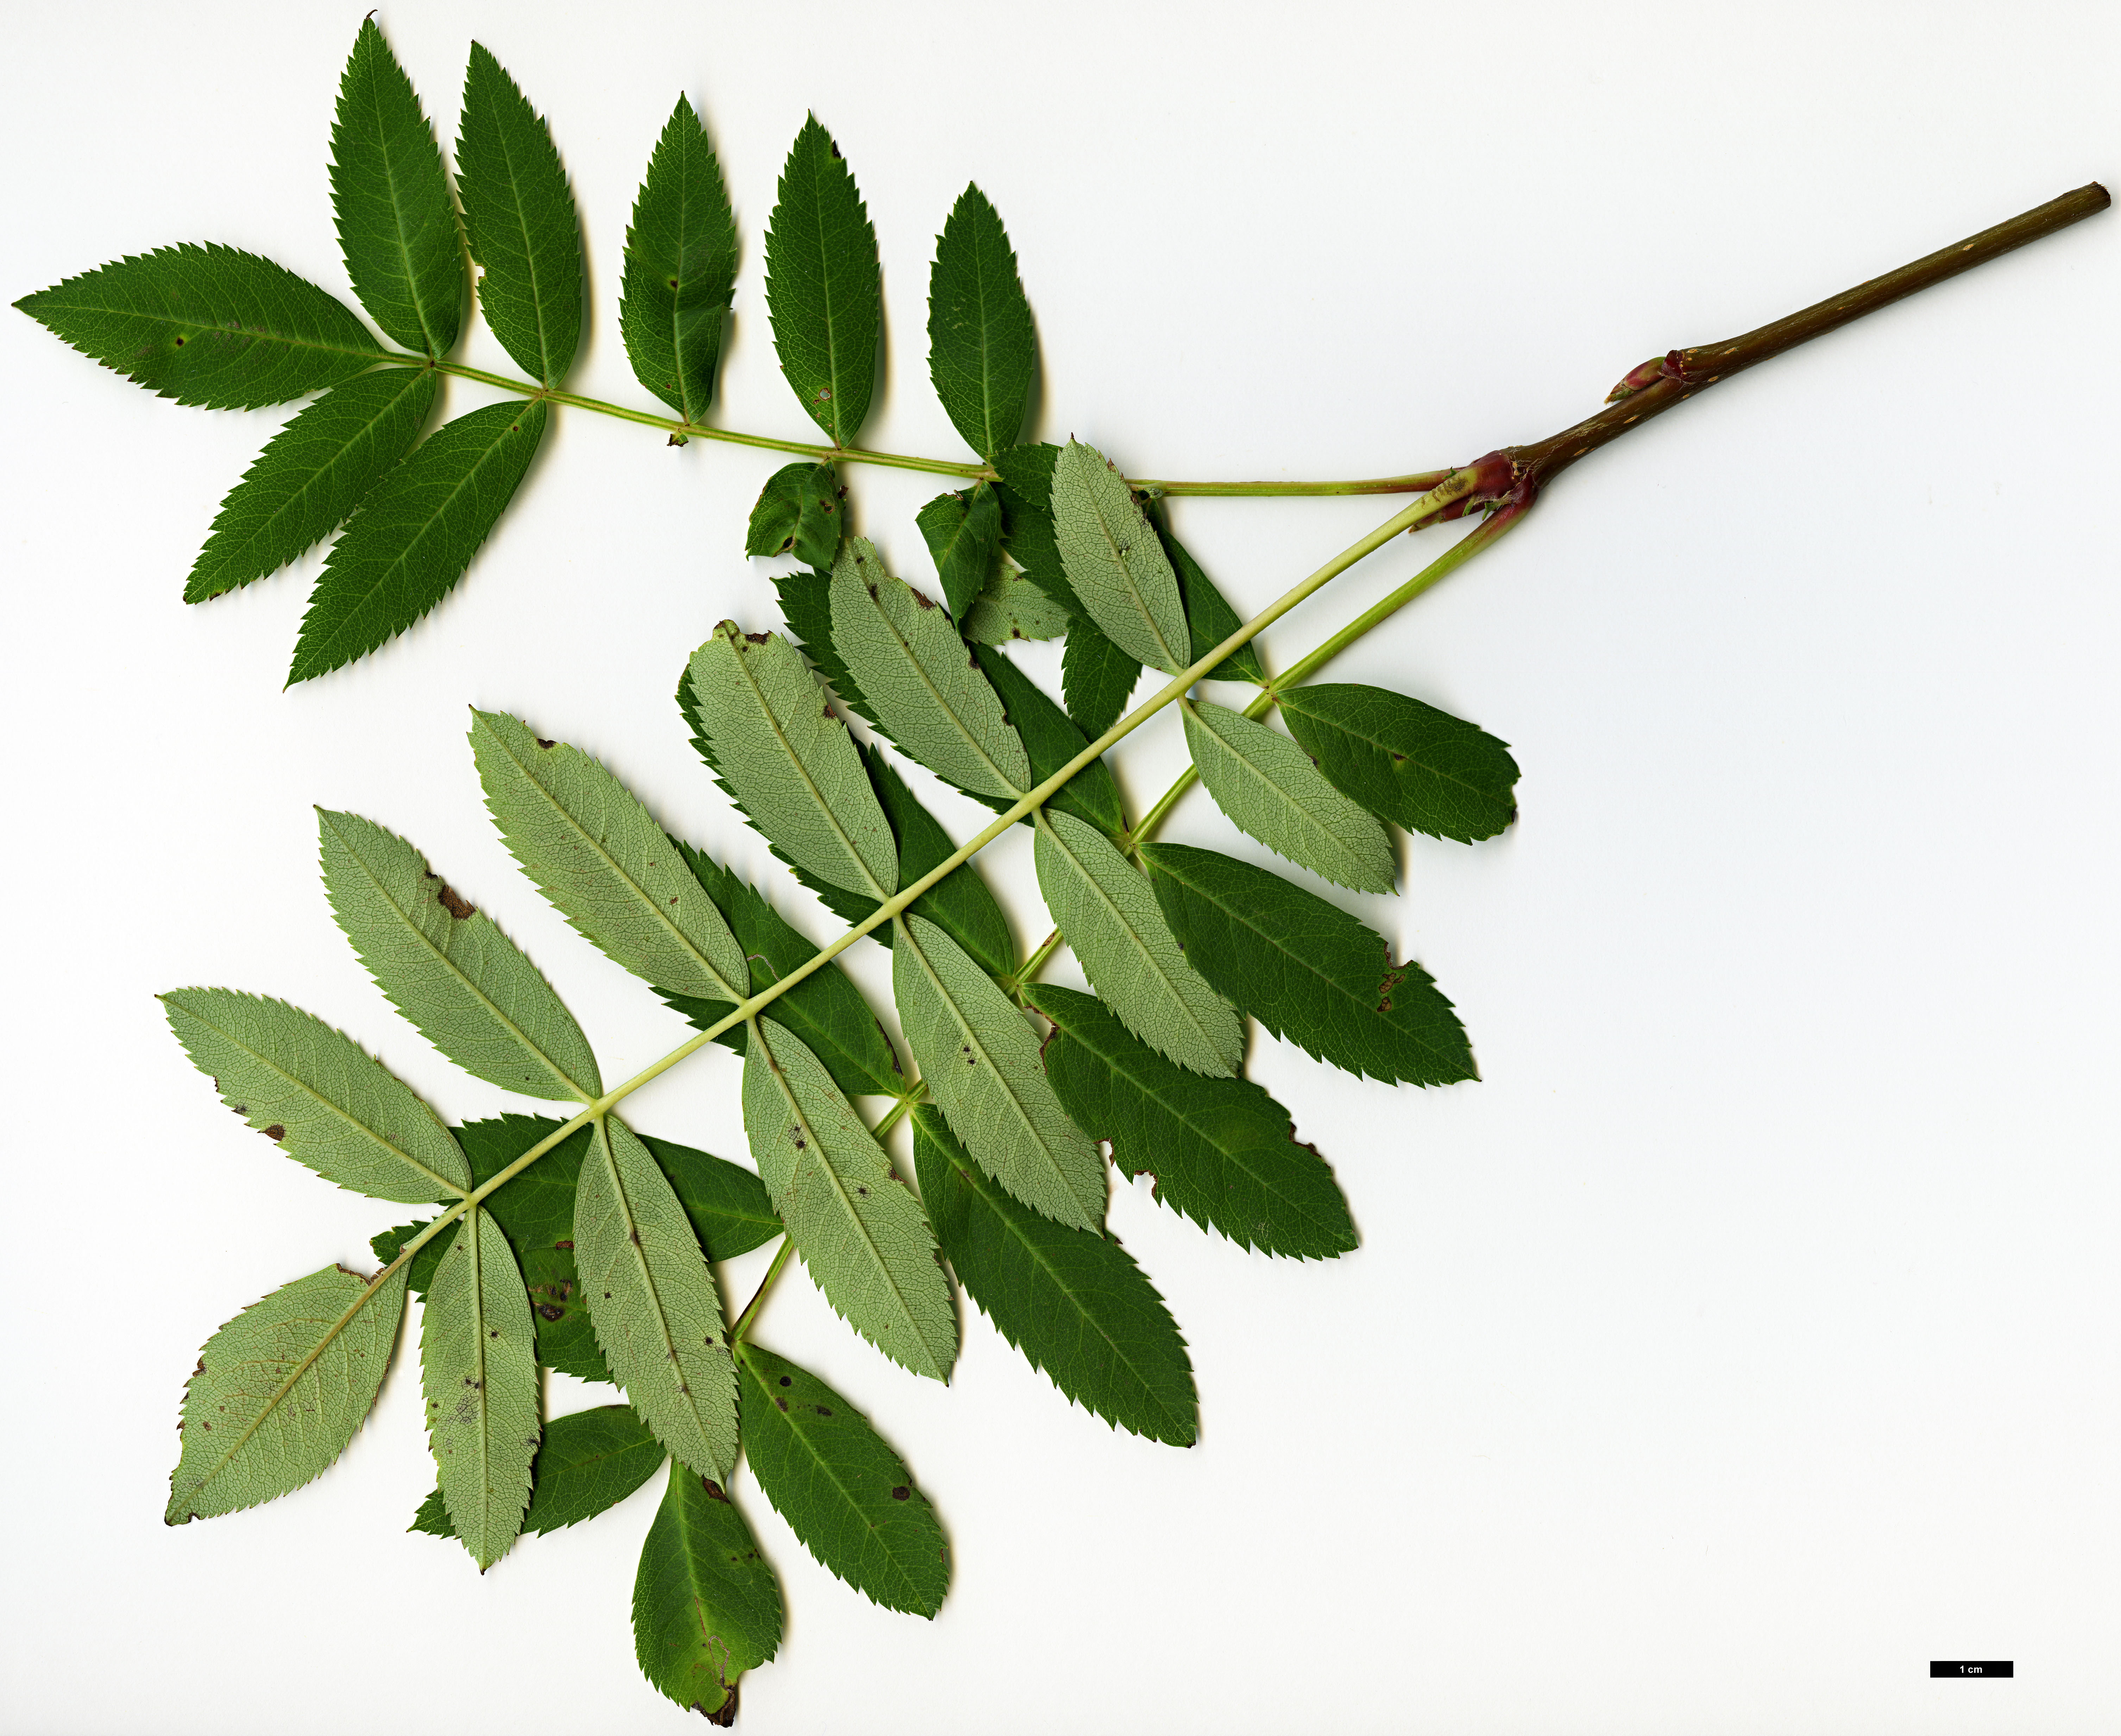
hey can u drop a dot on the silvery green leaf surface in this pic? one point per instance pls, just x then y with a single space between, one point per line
837 1482
788 762
587 1463
519 221
798 513
1013 608
315 1092
980 1058
706 1605
920 680
983 352
447 968
680 269
478 1372
858 1227
1268 787
397 225
652 1299
1115 564
1109 916
824 291
281 1388
311 474
962 530
1405 761
598 854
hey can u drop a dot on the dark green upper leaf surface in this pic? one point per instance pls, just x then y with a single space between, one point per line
1028 536
706 1607
589 1461
798 513
680 269
1306 969
397 226
1208 618
806 605
841 1489
959 904
824 291
825 1009
1072 1300
1406 762
520 218
1097 676
1050 741
208 325
311 474
962 531
982 350
1222 1151
415 533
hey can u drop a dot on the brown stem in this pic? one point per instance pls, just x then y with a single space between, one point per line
1513 477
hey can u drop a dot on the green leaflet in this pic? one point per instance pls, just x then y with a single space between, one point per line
397 226
680 269
1306 969
798 512
920 680
1209 619
520 219
979 1059
312 1090
589 1461
825 1009
447 968
806 605
311 474
788 762
1012 607
585 838
1026 494
858 1227
1268 787
415 533
1109 916
1222 1151
841 1489
657 1314
1051 740
1406 762
208 325
981 350
1098 677
1115 565
1072 1300
822 289
706 1606
280 1390
478 1371
964 534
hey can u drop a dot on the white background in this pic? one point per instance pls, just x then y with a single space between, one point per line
1741 1343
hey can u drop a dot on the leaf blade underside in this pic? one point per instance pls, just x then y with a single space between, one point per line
587 1463
1115 564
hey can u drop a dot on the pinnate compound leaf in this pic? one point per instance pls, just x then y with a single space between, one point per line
964 534
446 967
1013 608
478 1371
1072 1300
314 1091
1268 787
920 679
1051 740
208 325
824 291
706 1605
1209 620
397 226
1097 676
519 219
841 1489
415 533
1306 969
591 847
788 762
311 474
798 512
589 1462
979 1058
680 269
981 350
1109 916
653 1301
280 1390
858 1227
1222 1151
1115 564
1406 762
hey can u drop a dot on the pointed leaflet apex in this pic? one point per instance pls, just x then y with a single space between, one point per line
680 269
1406 762
823 292
982 350
706 1605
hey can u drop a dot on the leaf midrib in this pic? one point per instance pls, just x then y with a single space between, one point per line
1291 800
1479 793
515 209
1172 661
941 703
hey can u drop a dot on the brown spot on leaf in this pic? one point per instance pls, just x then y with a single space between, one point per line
785 1381
450 900
824 1410
713 1488
756 639
569 1246
902 1493
782 1403
542 742
551 1311
276 1132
